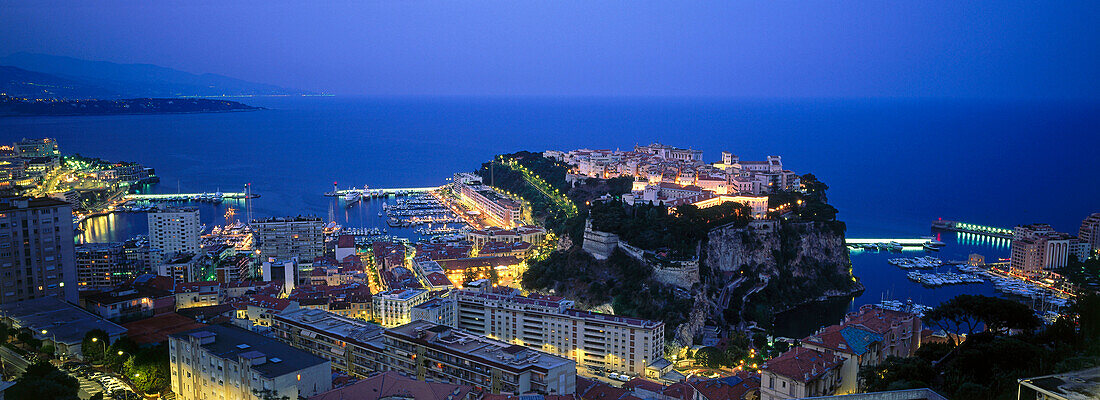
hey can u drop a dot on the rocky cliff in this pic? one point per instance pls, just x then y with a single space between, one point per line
753 272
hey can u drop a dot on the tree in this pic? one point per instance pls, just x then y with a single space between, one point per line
759 341
710 357
896 373
968 314
42 380
148 369
94 344
120 351
4 333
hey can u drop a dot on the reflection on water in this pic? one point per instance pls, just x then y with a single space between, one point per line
885 281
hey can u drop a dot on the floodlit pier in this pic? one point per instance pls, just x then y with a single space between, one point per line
903 242
188 196
381 191
1004 233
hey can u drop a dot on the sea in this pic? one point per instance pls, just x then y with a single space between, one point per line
892 165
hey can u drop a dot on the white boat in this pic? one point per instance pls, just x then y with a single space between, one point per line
352 197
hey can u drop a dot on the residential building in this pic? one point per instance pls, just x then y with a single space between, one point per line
286 271
288 237
55 321
173 231
394 307
500 209
182 267
39 167
594 340
103 265
1090 232
1072 385
36 249
900 329
426 350
1037 247
353 347
391 386
858 347
223 362
199 294
526 233
34 148
124 304
800 372
440 310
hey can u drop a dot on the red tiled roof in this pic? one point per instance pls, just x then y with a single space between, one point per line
390 384
156 329
345 241
715 389
803 364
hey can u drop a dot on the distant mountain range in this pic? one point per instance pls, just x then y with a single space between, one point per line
42 76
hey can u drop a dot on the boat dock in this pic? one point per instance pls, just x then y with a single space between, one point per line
904 242
992 231
366 192
216 196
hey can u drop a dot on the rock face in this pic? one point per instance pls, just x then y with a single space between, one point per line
775 266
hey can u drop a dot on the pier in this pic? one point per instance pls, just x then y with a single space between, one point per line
993 231
190 196
367 192
903 242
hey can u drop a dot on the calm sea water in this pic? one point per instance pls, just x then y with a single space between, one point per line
893 166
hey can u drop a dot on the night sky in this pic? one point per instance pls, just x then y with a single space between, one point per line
1000 49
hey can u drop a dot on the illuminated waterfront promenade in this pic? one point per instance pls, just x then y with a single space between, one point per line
1004 233
188 196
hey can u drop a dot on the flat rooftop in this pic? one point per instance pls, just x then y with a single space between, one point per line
332 324
231 342
63 322
485 350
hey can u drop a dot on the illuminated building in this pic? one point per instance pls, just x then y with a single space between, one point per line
800 372
428 351
1038 247
614 343
32 148
354 347
394 307
287 237
103 265
223 362
36 249
1090 232
500 209
174 230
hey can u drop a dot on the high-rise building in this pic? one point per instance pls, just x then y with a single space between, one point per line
103 265
1090 232
1039 247
36 249
224 362
284 238
173 231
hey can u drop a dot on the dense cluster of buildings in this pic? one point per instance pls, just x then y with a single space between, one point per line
671 176
1038 248
35 166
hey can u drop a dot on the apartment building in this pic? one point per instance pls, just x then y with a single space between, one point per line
1090 232
593 340
800 372
33 148
352 346
288 237
103 265
503 211
394 307
1038 247
428 351
36 249
220 362
173 231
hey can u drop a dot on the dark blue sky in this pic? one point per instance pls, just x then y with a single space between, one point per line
927 48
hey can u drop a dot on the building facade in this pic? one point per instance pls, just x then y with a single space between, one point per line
394 307
36 249
800 372
503 211
219 362
1038 247
427 351
594 340
103 265
353 347
289 237
173 231
1090 232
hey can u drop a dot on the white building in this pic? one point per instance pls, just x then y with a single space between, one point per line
174 231
219 362
1090 232
394 307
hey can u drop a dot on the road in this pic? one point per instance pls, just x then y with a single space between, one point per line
14 365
